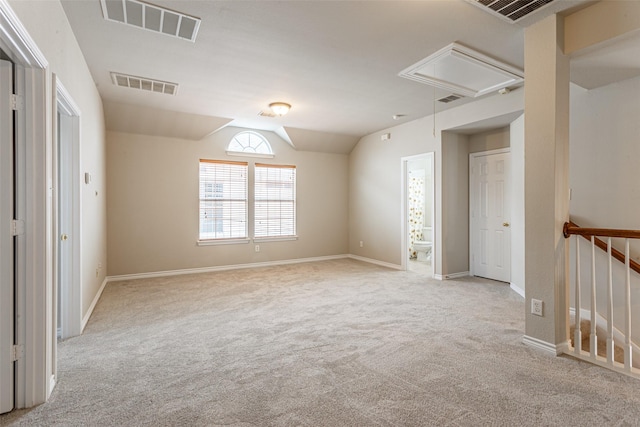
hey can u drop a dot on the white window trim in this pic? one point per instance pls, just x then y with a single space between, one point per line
256 155
216 242
274 239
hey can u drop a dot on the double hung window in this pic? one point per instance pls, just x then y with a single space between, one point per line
275 201
225 207
223 200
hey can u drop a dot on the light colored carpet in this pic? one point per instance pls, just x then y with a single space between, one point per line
335 343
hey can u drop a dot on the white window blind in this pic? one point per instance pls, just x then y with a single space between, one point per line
223 199
275 200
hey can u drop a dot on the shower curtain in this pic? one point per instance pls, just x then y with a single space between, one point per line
416 211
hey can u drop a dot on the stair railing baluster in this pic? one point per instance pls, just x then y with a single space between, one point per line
610 347
594 334
612 358
577 333
628 350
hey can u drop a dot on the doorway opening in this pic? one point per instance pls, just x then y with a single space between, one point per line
418 213
67 212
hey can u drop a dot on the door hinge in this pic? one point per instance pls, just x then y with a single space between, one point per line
16 102
17 227
17 351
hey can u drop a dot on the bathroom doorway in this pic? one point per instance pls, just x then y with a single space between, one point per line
417 214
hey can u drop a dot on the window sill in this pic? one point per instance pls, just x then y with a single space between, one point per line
274 239
216 242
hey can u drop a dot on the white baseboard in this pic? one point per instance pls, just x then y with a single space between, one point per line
52 385
554 349
451 275
517 289
87 316
220 268
375 261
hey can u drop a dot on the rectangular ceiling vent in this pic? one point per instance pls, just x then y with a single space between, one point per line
450 98
150 17
463 71
142 83
510 10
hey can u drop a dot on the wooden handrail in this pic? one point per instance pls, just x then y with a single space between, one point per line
573 228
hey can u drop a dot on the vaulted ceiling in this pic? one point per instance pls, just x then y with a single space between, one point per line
335 62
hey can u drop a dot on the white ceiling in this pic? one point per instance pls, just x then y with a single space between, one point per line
335 62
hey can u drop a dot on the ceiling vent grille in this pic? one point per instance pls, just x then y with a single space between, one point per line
142 83
511 10
150 17
450 98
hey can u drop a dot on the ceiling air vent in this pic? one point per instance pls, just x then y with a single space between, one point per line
450 98
511 10
135 82
150 17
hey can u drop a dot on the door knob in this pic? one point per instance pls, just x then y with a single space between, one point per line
64 237
505 224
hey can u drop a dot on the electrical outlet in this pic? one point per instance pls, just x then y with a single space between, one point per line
257 248
361 243
536 307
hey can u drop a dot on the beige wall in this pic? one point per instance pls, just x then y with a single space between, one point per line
546 180
47 24
604 153
153 204
375 180
493 139
455 203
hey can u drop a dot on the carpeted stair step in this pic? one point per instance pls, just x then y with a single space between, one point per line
585 329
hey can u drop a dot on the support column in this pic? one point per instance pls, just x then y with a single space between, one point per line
546 151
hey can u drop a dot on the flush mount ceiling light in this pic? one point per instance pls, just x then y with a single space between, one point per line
280 108
151 17
463 71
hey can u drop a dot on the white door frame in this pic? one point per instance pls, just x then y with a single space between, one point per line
7 283
35 323
70 298
430 157
472 226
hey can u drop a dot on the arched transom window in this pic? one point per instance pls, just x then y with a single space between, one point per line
249 143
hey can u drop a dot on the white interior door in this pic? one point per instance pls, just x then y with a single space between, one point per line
64 224
6 239
490 215
68 220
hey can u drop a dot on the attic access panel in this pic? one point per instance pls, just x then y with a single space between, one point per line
463 71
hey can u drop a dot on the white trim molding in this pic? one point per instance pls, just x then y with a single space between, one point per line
554 349
451 276
375 261
16 42
34 372
89 312
167 273
517 289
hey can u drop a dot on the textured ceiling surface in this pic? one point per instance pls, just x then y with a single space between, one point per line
335 62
